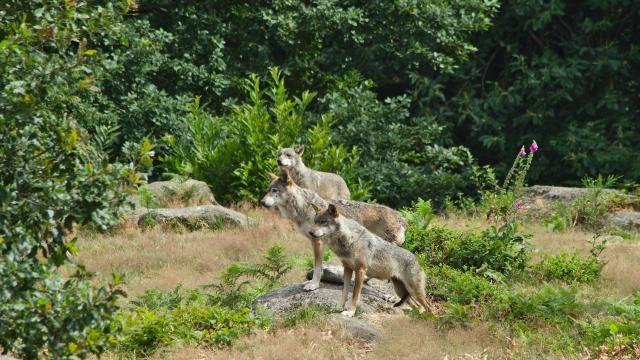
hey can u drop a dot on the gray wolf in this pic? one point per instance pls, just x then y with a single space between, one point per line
327 185
298 205
366 254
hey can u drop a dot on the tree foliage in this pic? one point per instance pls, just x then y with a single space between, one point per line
563 72
53 178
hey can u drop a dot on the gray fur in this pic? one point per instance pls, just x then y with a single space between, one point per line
381 220
358 248
297 204
327 185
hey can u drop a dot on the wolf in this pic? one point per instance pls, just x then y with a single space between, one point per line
327 185
298 205
381 220
366 254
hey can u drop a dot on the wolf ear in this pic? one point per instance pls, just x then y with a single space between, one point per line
285 177
316 208
299 150
332 210
272 176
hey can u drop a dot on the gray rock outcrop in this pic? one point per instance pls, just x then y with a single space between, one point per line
212 216
174 194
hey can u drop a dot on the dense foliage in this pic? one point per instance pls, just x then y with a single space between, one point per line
54 177
233 153
564 72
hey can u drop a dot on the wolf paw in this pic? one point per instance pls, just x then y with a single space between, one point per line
348 313
311 286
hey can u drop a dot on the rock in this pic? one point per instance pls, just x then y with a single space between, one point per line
610 238
561 193
358 328
332 272
539 199
279 301
174 194
627 220
212 216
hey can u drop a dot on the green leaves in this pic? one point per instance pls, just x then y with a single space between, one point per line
234 152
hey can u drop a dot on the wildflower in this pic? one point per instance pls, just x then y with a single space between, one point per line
534 147
519 205
522 152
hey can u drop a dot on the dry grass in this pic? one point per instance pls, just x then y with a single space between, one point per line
310 342
405 338
161 258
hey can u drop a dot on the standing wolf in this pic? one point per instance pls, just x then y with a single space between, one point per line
367 254
327 185
297 204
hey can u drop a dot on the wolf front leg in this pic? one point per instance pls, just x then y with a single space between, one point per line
314 283
357 289
346 284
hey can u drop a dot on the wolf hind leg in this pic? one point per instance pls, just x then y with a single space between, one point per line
401 291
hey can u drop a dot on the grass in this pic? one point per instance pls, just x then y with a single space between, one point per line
161 259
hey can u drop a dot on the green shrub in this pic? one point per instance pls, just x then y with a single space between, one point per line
550 303
494 252
569 268
193 318
462 287
234 152
213 316
402 156
234 289
53 178
615 335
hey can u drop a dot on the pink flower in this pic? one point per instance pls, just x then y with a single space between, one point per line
534 147
519 205
522 152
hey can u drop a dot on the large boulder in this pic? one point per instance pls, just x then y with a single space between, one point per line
279 301
174 194
564 194
627 220
538 201
211 216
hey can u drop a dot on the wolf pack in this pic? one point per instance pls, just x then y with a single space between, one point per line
365 237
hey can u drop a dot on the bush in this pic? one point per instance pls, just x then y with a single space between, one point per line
550 303
402 156
212 316
54 178
495 252
462 287
159 320
569 268
234 152
616 335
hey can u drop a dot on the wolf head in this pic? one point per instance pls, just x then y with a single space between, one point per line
289 157
279 190
325 222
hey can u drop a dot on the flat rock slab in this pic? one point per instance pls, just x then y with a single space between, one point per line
196 216
291 296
